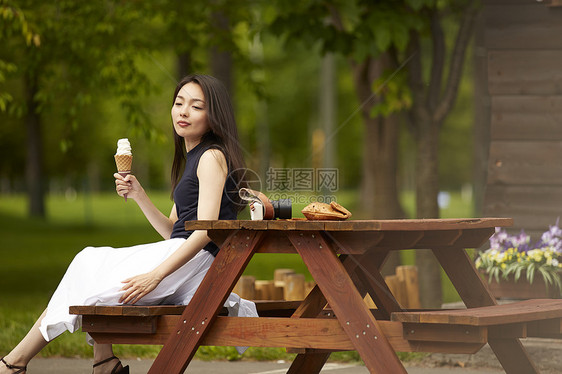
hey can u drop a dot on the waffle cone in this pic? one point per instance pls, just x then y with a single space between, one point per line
123 163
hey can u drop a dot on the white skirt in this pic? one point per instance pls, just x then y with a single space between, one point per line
94 278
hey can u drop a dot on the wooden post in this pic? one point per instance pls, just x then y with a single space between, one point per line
294 287
408 276
369 301
277 291
245 287
264 289
267 290
280 274
396 288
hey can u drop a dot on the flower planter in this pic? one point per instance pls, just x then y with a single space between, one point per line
516 253
522 289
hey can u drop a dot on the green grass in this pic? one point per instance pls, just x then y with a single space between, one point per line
35 253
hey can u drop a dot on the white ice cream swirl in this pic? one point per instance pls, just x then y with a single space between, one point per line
124 147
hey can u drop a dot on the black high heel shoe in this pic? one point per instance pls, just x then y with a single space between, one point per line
20 369
123 370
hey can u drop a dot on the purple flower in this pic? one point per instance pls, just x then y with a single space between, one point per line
502 241
498 240
521 241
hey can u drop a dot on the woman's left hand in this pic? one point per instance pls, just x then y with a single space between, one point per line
138 287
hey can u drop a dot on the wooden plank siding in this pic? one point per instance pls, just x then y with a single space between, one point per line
524 78
526 117
525 72
522 162
524 25
533 208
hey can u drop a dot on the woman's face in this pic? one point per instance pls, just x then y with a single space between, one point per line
189 113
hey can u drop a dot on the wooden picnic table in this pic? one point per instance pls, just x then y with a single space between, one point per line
344 258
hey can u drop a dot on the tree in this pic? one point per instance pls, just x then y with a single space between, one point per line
375 37
359 31
350 30
78 50
432 100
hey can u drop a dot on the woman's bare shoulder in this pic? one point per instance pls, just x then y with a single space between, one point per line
213 155
212 159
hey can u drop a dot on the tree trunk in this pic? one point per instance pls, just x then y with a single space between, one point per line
221 59
427 188
328 106
379 192
184 64
34 167
427 172
482 118
221 66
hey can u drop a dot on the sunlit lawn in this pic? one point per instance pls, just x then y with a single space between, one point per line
34 255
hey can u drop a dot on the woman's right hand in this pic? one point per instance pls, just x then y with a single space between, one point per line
128 185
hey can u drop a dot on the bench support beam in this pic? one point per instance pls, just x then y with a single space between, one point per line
461 271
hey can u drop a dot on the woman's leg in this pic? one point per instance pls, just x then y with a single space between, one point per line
27 348
34 342
102 352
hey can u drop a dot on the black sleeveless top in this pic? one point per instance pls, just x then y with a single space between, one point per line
186 196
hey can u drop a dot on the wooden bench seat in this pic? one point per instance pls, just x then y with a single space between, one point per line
529 318
154 324
447 331
264 308
522 311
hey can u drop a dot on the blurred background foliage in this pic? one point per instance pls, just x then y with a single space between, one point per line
105 70
76 76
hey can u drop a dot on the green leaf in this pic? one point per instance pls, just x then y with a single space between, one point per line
418 4
518 271
401 37
496 273
546 275
531 272
557 281
382 38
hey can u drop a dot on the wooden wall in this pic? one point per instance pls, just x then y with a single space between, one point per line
523 44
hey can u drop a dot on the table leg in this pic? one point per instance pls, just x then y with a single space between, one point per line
366 268
308 363
342 295
315 301
312 305
369 274
473 291
209 298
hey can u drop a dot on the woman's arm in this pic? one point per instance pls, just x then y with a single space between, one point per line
212 173
130 185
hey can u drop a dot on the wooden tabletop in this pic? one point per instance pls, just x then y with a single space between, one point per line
353 225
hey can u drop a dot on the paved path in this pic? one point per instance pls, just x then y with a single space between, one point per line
79 366
547 354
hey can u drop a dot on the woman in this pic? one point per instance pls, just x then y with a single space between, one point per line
205 181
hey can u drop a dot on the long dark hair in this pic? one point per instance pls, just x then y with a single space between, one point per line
223 132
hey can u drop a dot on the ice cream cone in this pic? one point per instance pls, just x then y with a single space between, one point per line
123 163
